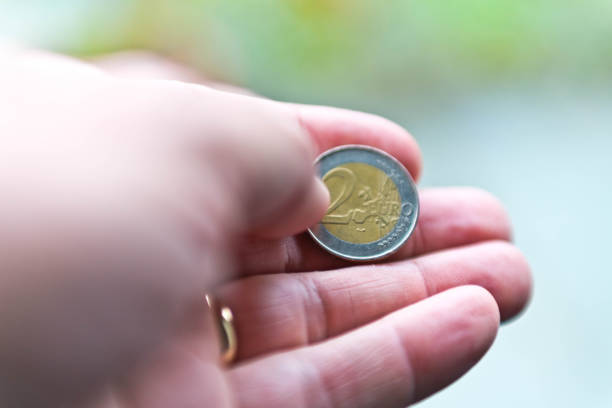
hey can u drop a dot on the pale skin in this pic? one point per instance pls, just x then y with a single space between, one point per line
124 200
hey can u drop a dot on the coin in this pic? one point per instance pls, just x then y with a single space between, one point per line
374 203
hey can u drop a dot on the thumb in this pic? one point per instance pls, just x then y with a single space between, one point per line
260 158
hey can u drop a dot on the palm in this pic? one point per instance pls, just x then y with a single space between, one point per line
357 335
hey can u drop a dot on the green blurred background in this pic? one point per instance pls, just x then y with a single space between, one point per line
511 96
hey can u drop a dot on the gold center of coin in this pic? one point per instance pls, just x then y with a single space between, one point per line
365 204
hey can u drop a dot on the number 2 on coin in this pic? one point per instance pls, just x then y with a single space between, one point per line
348 185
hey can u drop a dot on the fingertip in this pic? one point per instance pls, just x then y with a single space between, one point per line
486 322
505 274
481 304
496 209
462 214
480 322
330 127
322 199
306 210
475 314
461 325
315 204
521 287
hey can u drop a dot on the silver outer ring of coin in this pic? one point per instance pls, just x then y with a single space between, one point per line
407 192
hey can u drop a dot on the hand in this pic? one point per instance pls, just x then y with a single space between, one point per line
126 200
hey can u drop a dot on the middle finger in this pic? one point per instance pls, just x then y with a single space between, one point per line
449 217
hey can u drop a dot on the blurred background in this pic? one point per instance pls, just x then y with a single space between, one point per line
511 96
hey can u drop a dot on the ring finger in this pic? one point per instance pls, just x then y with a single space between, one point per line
281 311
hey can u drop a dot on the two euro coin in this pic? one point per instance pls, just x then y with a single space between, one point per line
374 203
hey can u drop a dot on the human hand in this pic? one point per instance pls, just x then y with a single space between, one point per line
127 200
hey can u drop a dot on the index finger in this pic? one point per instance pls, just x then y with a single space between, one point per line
331 127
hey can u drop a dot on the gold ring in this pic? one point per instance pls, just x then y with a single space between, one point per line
227 333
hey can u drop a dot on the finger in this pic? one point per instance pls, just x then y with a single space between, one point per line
392 362
253 169
449 217
282 311
331 127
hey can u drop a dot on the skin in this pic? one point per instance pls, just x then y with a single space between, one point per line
124 200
